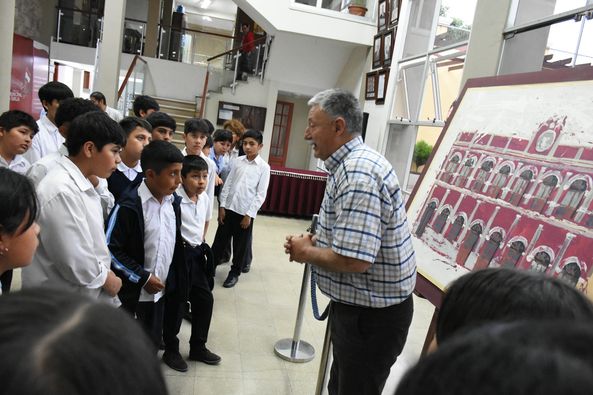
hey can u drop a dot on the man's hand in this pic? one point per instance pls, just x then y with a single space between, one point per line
154 285
221 214
245 222
298 247
112 284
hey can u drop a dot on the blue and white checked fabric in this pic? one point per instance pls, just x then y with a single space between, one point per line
362 216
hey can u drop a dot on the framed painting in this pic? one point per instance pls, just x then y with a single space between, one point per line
382 78
382 15
510 182
371 86
388 41
378 51
394 7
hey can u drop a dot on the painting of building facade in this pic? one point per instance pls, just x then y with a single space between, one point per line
511 184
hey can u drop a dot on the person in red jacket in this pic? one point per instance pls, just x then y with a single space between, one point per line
247 51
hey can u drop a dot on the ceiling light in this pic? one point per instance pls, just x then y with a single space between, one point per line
206 3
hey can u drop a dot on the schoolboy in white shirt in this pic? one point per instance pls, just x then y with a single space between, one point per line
198 258
241 197
195 134
143 234
72 253
48 139
16 132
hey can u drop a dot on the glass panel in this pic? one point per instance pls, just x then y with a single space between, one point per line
532 10
419 27
133 41
455 22
134 87
79 28
307 2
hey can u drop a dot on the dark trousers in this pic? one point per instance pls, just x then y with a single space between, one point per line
366 343
150 316
202 303
226 255
241 241
6 281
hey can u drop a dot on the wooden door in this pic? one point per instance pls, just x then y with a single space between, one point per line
280 133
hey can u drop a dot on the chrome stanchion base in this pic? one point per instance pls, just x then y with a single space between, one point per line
289 351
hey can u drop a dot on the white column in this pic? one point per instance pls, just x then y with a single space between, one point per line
6 33
108 67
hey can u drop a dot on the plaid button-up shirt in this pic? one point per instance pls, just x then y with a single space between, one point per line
362 216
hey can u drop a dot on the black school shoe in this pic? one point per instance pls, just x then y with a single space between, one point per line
206 356
246 268
230 281
175 361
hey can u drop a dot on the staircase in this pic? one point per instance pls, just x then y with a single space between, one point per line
180 110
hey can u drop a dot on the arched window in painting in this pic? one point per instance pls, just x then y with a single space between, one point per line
572 200
455 229
465 172
482 175
441 220
520 187
499 181
514 254
570 273
543 193
541 262
489 250
468 244
451 168
428 213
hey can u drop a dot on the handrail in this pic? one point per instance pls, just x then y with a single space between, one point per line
81 11
128 74
261 39
195 31
204 93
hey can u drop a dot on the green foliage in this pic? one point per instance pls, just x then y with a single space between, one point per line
360 3
422 151
444 10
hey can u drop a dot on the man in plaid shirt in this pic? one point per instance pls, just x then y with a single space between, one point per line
362 256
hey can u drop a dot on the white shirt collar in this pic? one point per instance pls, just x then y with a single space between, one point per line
79 179
49 125
146 195
121 166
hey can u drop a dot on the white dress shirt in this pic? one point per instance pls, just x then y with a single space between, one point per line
159 237
211 181
19 164
114 114
46 141
129 172
72 253
43 166
193 217
246 187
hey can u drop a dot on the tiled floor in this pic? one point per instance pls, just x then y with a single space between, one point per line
260 310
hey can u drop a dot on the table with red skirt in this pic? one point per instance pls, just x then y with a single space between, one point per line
294 192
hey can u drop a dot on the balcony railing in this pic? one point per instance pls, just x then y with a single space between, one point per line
78 27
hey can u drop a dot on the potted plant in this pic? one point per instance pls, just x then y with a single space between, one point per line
358 7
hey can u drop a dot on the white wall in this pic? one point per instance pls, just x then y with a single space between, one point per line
173 80
298 149
137 9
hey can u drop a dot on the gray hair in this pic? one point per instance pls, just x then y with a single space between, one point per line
340 103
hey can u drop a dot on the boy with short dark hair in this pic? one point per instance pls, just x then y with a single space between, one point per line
72 253
241 197
198 258
195 134
143 235
48 139
145 105
16 132
129 171
65 114
223 139
163 126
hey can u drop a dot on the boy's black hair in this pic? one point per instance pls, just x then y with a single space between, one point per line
507 295
145 103
55 333
531 358
254 134
54 90
129 124
19 200
209 143
71 108
158 119
99 96
210 125
96 127
158 155
223 135
15 118
193 163
196 125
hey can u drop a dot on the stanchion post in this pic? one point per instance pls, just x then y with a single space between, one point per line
321 376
